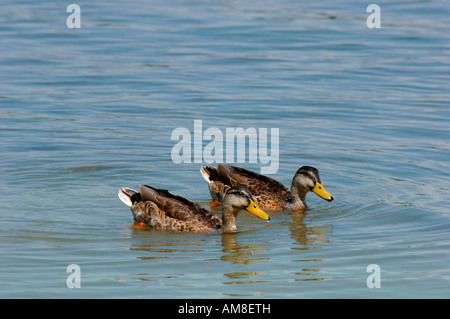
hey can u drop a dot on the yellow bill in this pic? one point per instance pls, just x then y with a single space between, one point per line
258 212
320 191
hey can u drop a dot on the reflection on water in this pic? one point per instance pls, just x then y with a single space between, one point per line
306 236
309 275
298 229
235 248
239 253
246 275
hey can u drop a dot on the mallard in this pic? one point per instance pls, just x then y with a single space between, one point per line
162 210
269 194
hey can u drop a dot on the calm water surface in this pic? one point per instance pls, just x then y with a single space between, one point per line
86 111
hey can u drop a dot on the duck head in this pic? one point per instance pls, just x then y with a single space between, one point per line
236 199
307 179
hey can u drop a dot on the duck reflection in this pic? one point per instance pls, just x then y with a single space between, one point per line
239 253
298 229
307 238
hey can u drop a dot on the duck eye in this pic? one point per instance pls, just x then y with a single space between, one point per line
219 226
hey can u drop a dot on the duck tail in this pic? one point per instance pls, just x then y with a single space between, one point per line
128 196
209 173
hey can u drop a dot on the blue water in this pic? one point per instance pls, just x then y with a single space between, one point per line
86 111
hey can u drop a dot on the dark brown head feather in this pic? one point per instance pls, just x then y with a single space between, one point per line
310 172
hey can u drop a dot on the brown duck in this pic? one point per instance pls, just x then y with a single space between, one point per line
162 210
269 194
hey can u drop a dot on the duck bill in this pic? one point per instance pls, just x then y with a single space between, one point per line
321 192
258 212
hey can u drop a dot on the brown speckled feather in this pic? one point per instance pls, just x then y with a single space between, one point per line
268 193
149 214
165 211
218 190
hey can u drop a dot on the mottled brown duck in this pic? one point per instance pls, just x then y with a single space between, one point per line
162 210
269 193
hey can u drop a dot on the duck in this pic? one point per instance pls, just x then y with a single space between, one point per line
269 193
161 210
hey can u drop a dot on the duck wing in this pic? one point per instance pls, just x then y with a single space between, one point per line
268 192
216 187
233 175
178 207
